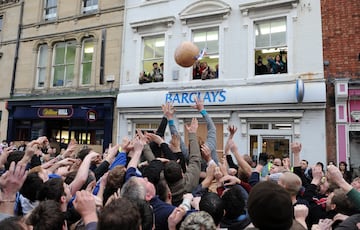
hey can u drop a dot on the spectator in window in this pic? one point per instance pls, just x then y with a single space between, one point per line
156 74
206 72
196 70
260 68
144 78
277 65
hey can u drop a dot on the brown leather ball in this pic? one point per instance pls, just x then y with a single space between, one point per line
186 54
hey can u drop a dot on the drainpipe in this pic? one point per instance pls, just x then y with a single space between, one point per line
17 49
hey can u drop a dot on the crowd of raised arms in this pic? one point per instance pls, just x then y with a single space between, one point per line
145 182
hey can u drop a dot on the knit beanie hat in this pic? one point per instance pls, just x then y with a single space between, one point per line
270 207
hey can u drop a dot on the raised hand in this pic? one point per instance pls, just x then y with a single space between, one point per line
85 205
155 138
192 128
230 180
199 104
12 180
296 147
232 130
206 152
144 139
168 110
175 217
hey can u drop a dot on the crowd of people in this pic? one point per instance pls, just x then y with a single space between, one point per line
146 182
276 65
201 70
156 75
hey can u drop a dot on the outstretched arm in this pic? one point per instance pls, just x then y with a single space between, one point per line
169 112
211 133
83 172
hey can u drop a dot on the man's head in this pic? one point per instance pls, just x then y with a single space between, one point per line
172 172
277 162
138 188
304 164
338 201
120 214
55 189
198 220
32 185
234 202
356 183
270 206
290 182
47 215
211 203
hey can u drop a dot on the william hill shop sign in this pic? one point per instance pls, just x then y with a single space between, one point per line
55 112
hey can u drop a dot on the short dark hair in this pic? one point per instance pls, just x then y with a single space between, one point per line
119 214
343 204
16 156
172 172
53 189
211 203
153 170
31 187
270 206
11 223
47 215
82 153
234 202
162 189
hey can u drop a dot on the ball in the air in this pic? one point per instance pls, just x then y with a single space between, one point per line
186 54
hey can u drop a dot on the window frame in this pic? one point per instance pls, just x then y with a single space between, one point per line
91 8
48 16
91 40
143 66
39 67
65 64
207 55
1 22
271 49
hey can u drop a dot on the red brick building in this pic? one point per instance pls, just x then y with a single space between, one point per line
341 52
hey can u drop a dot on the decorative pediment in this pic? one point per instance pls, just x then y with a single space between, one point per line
213 10
164 22
266 4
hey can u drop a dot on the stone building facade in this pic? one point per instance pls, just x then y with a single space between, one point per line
60 69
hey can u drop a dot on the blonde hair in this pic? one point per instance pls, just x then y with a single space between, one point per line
291 182
198 221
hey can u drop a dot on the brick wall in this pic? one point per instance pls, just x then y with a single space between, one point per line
341 47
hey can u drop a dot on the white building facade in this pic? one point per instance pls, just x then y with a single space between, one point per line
271 107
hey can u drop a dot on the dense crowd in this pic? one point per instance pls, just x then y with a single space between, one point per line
145 182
